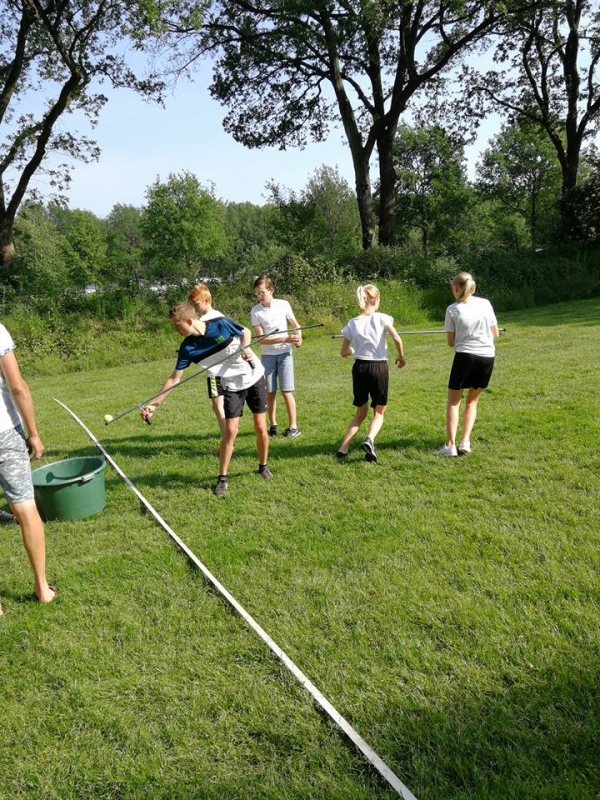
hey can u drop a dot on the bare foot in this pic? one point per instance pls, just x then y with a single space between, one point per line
48 595
1 612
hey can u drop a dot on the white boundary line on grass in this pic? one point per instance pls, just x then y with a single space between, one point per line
322 701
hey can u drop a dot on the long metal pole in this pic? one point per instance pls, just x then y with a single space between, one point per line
202 371
321 701
407 333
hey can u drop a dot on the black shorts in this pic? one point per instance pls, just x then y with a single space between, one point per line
213 385
470 371
370 379
255 396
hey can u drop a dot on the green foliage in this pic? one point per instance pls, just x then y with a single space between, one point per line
322 221
183 224
521 171
431 186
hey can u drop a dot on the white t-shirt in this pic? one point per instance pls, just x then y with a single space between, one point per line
471 322
273 318
366 334
236 373
212 314
9 416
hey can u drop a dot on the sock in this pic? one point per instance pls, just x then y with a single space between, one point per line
223 478
262 467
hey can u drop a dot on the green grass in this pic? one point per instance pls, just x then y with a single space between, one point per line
447 608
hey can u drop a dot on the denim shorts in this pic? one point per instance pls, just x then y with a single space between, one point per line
15 468
279 368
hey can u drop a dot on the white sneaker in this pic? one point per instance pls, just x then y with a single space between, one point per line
447 450
464 447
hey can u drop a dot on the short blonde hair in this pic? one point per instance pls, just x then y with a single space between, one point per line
182 312
200 294
367 295
465 284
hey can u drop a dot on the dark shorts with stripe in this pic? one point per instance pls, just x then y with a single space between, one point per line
213 385
370 379
255 396
470 371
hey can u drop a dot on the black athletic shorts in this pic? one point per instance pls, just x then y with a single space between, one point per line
470 371
255 396
370 379
213 385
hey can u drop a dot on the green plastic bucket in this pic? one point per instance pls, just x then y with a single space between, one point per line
70 489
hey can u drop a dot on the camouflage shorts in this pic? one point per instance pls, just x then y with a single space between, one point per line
15 469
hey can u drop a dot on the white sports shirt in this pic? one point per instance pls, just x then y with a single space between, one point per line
471 322
273 318
366 334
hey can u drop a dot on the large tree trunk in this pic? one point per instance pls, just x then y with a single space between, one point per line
364 198
387 187
7 245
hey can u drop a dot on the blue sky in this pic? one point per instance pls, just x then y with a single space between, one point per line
141 141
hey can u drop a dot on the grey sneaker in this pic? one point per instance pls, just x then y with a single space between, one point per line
447 451
464 448
273 430
291 432
369 447
6 516
265 473
220 488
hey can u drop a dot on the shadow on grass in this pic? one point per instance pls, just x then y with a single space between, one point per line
534 740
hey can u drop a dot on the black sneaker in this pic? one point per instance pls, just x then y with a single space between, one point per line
273 430
341 455
6 516
220 488
291 432
265 472
369 448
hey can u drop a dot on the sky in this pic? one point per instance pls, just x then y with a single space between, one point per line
141 142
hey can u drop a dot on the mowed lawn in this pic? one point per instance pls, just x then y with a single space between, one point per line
448 608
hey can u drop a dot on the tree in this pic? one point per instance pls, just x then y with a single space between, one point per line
39 269
431 187
55 54
548 72
287 70
184 227
520 170
322 220
84 245
125 244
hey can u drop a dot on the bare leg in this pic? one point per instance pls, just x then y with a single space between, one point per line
470 414
217 404
262 437
290 404
32 530
376 422
226 446
354 425
452 409
272 407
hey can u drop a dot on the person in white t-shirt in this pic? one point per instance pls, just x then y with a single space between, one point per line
201 298
471 328
268 316
20 442
365 340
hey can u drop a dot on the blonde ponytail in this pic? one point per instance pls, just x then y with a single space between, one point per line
367 295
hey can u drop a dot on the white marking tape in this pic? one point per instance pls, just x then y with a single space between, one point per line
322 701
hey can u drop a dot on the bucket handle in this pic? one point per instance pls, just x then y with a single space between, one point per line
87 478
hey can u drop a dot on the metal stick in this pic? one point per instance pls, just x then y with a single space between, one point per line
321 701
202 371
406 333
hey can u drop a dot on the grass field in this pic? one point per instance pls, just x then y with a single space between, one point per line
448 608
